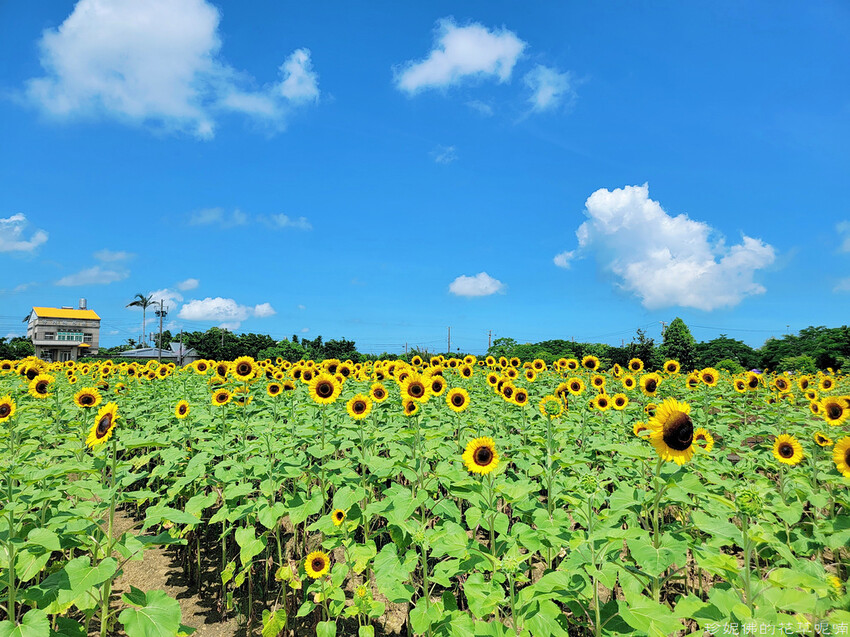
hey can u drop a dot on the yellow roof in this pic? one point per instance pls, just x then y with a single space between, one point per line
84 345
55 312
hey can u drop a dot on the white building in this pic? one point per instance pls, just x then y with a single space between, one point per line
63 333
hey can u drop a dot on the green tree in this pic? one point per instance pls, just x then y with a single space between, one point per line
291 351
18 347
709 353
679 344
143 302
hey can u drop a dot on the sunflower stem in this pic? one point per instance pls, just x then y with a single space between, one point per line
107 585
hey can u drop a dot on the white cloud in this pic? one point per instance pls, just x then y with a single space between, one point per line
264 310
109 256
217 216
563 259
461 52
11 235
843 229
482 284
666 260
283 221
157 62
170 298
11 335
188 284
226 312
302 307
97 275
481 107
549 87
112 332
842 286
444 154
300 82
304 330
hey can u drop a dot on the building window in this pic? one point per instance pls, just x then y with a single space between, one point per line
70 336
87 338
49 336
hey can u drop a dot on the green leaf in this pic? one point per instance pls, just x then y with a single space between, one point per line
33 624
450 539
71 585
300 509
547 621
391 574
366 631
44 538
326 629
155 614
250 546
482 596
273 623
655 561
648 616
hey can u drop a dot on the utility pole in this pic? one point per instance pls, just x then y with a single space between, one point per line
161 313
663 328
449 350
181 347
489 339
405 348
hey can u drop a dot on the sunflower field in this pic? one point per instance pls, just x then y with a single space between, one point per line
453 496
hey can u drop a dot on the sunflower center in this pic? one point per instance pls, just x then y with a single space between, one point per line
5 410
458 400
679 431
358 407
41 387
317 564
324 389
32 373
786 450
483 456
834 411
379 393
651 385
575 387
103 425
86 399
416 389
619 402
847 456
182 409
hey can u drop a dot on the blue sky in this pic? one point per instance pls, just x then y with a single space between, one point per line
380 172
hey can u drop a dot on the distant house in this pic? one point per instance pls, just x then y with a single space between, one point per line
63 333
176 353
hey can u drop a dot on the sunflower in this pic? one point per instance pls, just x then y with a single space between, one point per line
639 428
359 406
551 406
562 391
481 455
530 375
182 409
538 365
345 369
572 364
378 392
307 375
241 396
437 385
201 367
602 402
103 425
841 456
636 365
409 406
324 388
338 516
826 383
740 385
512 373
590 362
629 381
753 381
414 387
803 382
221 397
87 397
700 433
457 399
515 361
672 367
40 385
273 389
709 376
576 386
822 439
814 407
787 449
616 371
834 410
520 397
7 408
649 383
781 384
619 402
466 371
598 381
244 368
673 431
508 390
317 564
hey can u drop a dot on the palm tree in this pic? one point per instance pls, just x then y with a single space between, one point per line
143 302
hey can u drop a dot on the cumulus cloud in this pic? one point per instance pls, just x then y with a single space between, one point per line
843 285
562 260
156 62
482 108
444 154
665 260
843 229
549 88
97 275
461 52
218 217
109 256
188 284
170 298
482 284
284 221
304 330
226 312
12 235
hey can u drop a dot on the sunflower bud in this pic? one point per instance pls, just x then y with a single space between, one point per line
589 483
749 503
